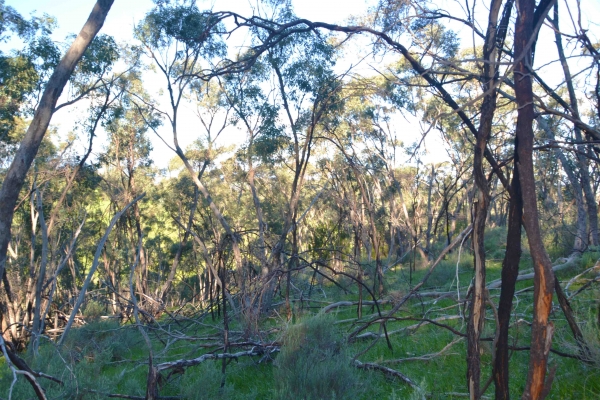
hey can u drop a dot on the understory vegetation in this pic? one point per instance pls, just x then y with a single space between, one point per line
312 354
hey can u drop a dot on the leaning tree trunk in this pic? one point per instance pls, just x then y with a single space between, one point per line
12 184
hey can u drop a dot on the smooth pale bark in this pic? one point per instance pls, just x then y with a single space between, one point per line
429 212
542 328
36 331
12 184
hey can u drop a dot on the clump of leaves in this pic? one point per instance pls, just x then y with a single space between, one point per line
314 363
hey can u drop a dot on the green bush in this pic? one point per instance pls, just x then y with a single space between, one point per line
314 363
94 310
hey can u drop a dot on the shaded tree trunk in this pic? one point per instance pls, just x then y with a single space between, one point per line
510 271
542 329
481 203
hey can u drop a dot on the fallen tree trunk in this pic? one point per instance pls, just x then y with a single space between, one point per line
255 351
566 263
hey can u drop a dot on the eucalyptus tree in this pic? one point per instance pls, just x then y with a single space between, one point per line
23 158
308 96
87 80
254 109
128 170
178 38
583 152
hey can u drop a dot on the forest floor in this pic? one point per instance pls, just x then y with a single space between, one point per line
311 349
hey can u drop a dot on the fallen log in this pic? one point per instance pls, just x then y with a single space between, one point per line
565 263
180 364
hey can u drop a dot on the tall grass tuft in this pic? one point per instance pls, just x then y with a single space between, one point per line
314 363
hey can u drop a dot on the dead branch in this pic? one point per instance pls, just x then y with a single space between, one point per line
425 357
423 321
385 370
254 351
565 263
457 240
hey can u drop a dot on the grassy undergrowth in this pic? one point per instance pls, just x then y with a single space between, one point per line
315 360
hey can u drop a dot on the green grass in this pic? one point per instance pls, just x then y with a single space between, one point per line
107 358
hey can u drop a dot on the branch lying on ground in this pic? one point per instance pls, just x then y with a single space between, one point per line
331 306
126 396
385 370
423 321
575 278
338 304
255 351
425 357
565 263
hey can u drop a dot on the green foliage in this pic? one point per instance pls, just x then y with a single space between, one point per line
94 310
98 58
184 23
314 363
22 71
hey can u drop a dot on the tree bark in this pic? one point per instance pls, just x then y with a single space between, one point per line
542 329
481 202
510 272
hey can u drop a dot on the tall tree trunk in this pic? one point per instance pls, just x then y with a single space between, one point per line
582 161
542 329
510 271
481 203
15 177
429 212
